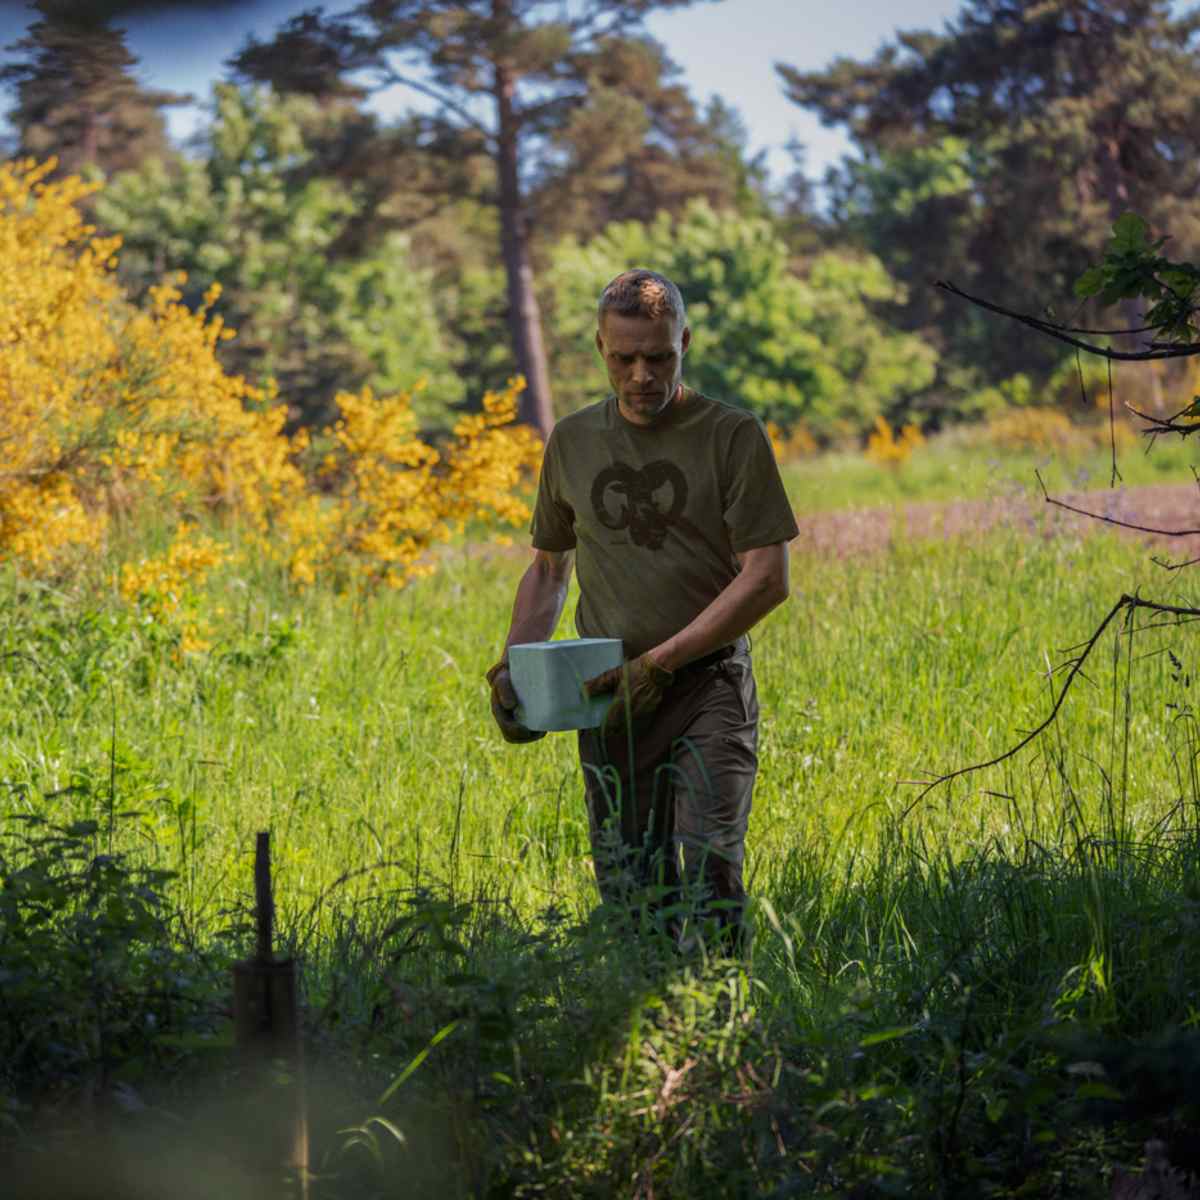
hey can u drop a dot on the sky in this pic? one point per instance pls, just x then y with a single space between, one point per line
727 48
730 48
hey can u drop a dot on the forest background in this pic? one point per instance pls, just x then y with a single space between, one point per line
464 242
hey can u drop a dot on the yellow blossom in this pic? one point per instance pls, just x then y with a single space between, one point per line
115 408
885 448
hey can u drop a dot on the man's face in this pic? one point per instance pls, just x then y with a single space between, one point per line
644 359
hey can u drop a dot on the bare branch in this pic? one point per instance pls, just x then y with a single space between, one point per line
1166 624
1127 603
1171 424
391 77
1095 516
1159 350
1076 667
1103 332
1170 566
1115 477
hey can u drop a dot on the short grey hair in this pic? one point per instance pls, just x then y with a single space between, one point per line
642 293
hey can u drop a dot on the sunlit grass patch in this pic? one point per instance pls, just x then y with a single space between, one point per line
964 465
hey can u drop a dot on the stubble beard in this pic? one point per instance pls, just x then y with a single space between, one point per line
641 415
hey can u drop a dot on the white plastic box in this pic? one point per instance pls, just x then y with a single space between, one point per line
548 678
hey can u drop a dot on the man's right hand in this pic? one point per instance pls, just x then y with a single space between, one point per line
504 704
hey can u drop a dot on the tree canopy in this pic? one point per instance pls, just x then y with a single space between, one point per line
998 152
518 87
811 347
249 219
76 96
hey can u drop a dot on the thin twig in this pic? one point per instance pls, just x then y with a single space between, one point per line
1175 624
1171 424
1170 566
1182 350
391 77
1083 512
1112 431
29 658
1127 603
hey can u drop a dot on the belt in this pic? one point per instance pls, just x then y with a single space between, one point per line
709 660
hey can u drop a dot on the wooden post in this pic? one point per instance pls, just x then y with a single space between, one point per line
264 902
266 1020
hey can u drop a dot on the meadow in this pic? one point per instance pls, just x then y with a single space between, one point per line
970 463
988 989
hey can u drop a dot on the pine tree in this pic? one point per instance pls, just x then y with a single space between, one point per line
636 145
77 98
507 76
999 152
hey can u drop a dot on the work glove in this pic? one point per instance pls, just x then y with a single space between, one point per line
504 704
638 698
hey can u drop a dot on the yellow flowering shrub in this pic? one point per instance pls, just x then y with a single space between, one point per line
792 443
1050 430
56 342
386 496
885 448
115 409
162 586
1031 429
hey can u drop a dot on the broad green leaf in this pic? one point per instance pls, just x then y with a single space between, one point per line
1180 281
1089 283
1129 231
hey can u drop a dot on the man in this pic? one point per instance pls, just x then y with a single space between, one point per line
671 509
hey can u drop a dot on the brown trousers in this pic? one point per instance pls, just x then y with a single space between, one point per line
668 807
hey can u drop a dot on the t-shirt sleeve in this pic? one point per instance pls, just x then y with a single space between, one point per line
757 510
553 524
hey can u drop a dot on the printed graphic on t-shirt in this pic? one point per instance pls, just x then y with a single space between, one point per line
647 502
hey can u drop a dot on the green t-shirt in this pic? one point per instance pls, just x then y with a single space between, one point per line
656 514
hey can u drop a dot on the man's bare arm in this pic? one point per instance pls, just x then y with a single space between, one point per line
760 586
541 595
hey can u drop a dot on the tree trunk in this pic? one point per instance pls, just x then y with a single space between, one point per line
89 143
524 316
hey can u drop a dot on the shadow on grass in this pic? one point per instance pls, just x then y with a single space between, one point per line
1019 1018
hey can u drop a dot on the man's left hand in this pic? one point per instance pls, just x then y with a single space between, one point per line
638 684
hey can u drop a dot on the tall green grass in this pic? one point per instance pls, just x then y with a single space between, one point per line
895 1024
361 732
